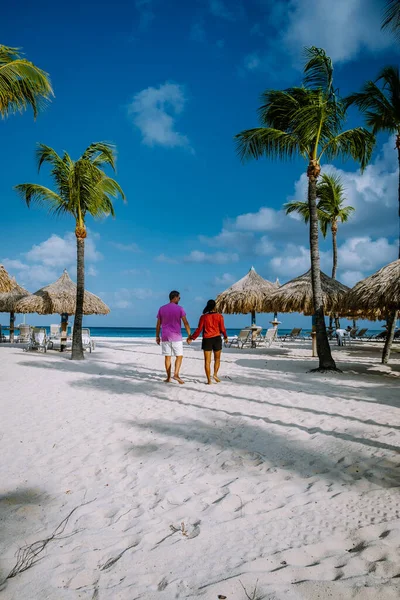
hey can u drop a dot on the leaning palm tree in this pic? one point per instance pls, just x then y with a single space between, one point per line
22 84
82 188
309 121
381 107
391 17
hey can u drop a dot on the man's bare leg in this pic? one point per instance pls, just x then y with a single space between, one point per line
168 368
178 364
207 365
217 363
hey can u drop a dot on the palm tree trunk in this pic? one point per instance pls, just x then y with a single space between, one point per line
12 322
77 348
391 328
334 247
392 318
334 267
326 362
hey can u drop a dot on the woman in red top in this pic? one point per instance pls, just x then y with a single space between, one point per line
212 326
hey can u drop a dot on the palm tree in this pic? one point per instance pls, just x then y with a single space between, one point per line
82 187
309 121
391 17
330 208
381 107
330 194
22 84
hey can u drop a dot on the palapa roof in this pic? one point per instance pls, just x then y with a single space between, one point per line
246 295
8 300
378 294
60 297
297 295
6 283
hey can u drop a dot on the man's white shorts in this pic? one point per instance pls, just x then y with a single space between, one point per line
172 348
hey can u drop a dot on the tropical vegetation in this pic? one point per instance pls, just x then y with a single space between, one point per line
22 84
82 187
379 101
308 121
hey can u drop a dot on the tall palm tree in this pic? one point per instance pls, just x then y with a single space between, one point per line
381 107
391 17
82 188
22 84
309 121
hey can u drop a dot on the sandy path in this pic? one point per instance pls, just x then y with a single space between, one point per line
274 474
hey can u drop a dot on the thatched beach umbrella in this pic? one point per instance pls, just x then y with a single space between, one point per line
8 301
379 294
60 298
297 295
6 283
248 295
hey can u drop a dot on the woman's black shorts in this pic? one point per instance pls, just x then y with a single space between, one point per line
212 344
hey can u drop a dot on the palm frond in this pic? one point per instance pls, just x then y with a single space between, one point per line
22 84
265 141
300 207
356 143
391 17
101 153
318 70
42 196
380 113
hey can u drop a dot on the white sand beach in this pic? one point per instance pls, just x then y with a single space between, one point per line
194 491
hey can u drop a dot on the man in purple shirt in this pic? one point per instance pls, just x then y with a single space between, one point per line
169 319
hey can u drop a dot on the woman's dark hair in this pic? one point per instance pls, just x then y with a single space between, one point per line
209 307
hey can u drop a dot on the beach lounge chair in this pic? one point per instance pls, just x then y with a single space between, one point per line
292 335
24 334
243 339
87 342
38 340
269 337
361 335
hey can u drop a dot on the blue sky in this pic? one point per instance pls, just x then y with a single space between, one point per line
170 83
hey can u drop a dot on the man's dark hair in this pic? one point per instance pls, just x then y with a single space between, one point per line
173 294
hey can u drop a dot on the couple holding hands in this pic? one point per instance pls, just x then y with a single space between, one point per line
211 325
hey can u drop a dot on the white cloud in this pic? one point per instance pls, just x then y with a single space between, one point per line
44 262
372 193
295 260
92 272
264 219
146 13
61 252
218 258
243 241
154 112
343 29
126 247
265 247
365 254
166 259
224 281
350 278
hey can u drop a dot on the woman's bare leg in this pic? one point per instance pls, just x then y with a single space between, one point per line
207 365
217 363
